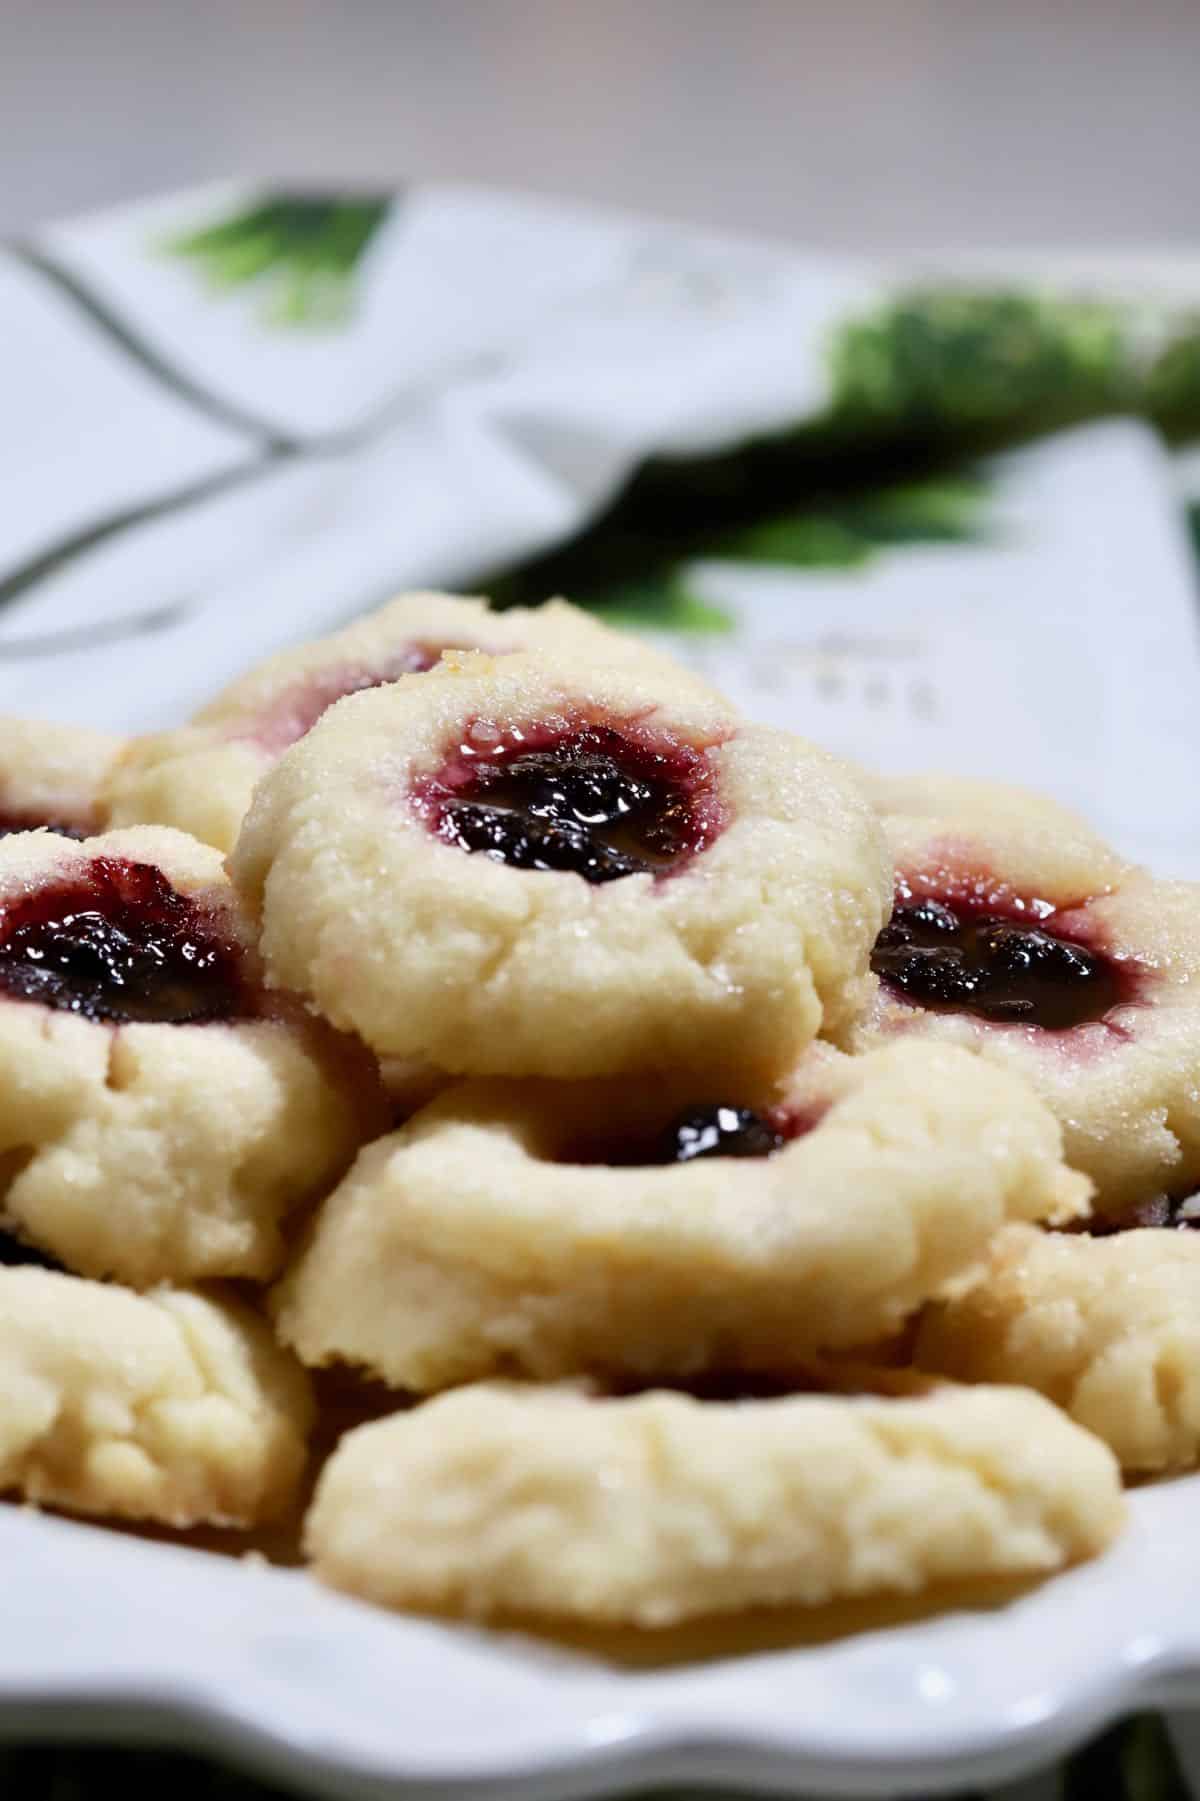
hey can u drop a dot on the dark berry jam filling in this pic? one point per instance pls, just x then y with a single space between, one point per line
1006 963
116 943
1166 1212
714 1131
296 711
719 1132
17 821
593 800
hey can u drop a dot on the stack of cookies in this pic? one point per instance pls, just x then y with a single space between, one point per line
745 1181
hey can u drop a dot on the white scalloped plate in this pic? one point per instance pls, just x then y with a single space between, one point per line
105 1634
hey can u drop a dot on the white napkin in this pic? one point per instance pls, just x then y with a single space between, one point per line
187 489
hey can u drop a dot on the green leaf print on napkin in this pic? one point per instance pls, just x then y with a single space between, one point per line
949 364
920 388
641 578
849 531
943 369
303 250
1173 386
661 603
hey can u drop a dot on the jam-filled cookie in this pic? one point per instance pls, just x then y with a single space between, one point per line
1020 935
201 776
1109 1328
53 776
593 1227
169 1406
513 867
1037 839
656 1508
160 1113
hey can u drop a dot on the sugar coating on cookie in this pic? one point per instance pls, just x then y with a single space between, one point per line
201 776
170 1406
53 776
1108 1328
160 1113
1035 841
516 867
1020 935
553 1231
497 1499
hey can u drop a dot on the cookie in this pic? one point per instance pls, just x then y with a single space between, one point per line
160 1113
53 775
1019 935
201 777
168 1406
512 867
1036 843
1108 1328
653 1509
555 1231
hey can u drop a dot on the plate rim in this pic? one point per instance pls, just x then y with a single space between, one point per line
689 1723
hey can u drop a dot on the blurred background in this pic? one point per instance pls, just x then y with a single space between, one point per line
950 378
866 124
965 536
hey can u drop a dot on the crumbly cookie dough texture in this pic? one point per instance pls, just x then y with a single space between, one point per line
462 1246
155 1153
169 1406
54 774
1108 1328
731 963
1124 1089
201 776
651 1510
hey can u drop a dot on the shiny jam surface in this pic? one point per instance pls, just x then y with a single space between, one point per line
1007 961
597 800
114 941
718 1130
